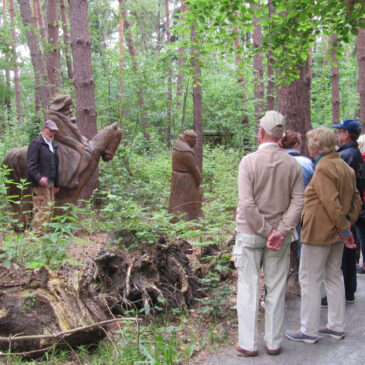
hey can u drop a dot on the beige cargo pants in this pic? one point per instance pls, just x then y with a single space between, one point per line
250 252
42 199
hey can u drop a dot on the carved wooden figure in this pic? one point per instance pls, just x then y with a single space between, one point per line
78 157
185 195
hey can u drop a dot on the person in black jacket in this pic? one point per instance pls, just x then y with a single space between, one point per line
42 166
348 133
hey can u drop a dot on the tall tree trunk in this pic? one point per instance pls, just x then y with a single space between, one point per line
294 103
258 67
270 82
83 77
7 69
15 62
335 82
35 13
237 61
42 28
66 40
121 63
270 71
242 83
183 112
132 51
37 97
52 54
361 74
180 61
169 78
41 82
197 100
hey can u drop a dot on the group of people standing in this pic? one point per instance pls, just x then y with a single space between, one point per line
272 201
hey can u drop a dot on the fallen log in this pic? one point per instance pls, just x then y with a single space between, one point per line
41 302
40 308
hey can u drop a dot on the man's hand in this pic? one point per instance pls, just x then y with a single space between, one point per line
43 181
275 240
349 241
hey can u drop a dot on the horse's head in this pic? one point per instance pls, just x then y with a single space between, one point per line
109 140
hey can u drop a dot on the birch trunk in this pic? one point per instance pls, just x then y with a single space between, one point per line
66 40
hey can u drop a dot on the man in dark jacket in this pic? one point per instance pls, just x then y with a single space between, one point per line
348 133
42 165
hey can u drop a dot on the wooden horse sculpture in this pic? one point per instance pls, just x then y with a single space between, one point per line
76 165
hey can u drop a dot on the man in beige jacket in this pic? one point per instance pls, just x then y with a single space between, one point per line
270 192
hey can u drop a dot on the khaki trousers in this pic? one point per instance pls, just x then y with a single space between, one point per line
42 197
321 264
249 253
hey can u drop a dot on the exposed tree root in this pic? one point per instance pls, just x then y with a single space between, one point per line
40 308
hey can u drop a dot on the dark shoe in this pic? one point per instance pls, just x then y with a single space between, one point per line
360 271
350 298
300 337
335 334
324 303
244 352
273 352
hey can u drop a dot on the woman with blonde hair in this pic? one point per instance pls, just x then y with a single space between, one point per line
331 204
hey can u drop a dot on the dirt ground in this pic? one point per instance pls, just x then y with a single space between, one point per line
86 247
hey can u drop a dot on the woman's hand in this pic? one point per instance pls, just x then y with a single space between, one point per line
349 240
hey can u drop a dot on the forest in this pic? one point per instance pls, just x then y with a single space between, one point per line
158 68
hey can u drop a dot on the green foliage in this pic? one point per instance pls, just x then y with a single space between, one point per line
289 32
7 215
26 248
34 252
147 344
321 103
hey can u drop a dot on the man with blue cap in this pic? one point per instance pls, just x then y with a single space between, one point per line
347 134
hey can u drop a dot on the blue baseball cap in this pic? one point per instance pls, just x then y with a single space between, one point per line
350 125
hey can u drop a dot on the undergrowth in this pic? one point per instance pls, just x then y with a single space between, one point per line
133 195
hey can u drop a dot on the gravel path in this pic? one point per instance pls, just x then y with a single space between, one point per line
326 351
